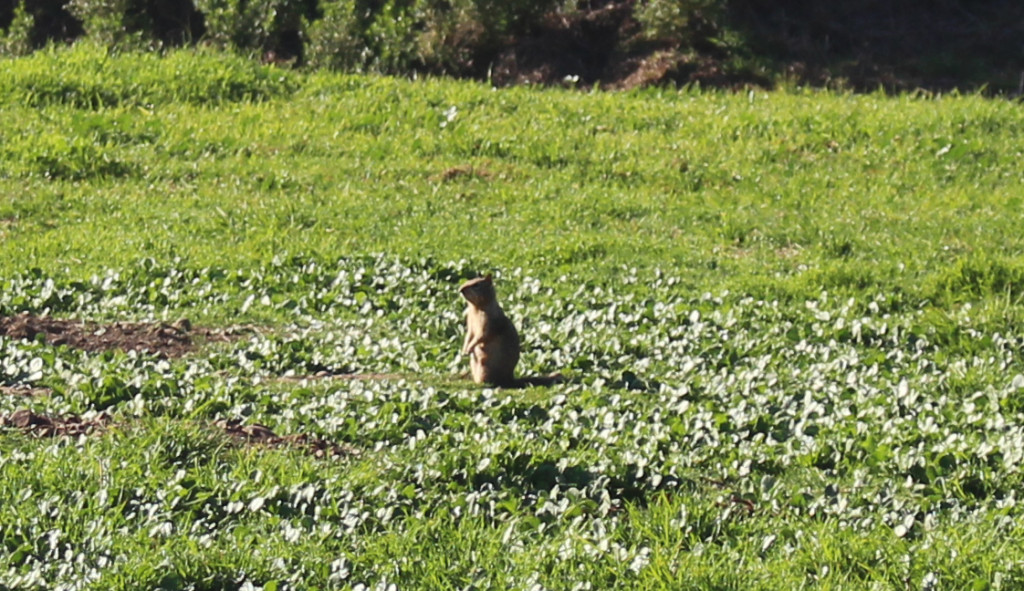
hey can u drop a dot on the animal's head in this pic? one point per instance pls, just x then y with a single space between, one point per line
479 291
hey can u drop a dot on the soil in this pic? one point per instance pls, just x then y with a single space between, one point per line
261 435
38 425
25 390
165 340
463 171
44 426
861 46
605 45
864 45
327 375
161 339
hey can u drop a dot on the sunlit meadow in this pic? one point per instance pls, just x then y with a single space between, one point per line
788 323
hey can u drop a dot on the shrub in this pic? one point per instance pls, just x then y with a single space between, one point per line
34 23
259 25
104 21
679 20
434 35
511 17
334 41
392 37
139 23
15 40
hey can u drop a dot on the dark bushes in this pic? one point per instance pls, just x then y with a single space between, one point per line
863 44
888 43
383 35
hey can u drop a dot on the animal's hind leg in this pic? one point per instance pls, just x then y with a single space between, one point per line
477 369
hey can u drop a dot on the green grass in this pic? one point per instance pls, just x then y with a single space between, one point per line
773 192
789 323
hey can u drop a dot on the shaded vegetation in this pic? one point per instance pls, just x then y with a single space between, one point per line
859 44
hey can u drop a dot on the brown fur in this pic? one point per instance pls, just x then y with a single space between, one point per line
492 342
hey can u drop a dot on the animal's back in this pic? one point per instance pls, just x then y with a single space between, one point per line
494 360
492 341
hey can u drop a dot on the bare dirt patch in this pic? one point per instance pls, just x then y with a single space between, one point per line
38 425
605 45
161 339
25 390
261 435
327 375
43 426
463 171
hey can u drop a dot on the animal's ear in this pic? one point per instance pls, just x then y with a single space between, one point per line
487 278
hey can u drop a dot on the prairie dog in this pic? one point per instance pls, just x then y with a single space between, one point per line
492 342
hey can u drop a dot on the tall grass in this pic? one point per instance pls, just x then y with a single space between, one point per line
90 76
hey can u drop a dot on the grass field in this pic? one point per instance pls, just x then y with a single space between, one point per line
790 324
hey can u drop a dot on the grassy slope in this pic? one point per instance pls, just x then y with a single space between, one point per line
911 203
804 190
